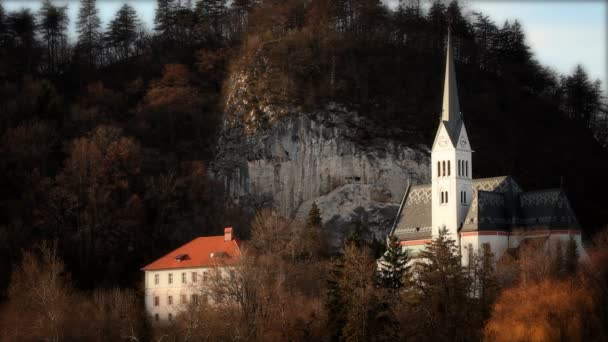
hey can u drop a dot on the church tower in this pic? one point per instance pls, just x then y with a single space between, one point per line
451 164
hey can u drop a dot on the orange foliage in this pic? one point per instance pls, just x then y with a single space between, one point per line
550 310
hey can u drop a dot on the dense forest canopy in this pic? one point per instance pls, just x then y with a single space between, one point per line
105 141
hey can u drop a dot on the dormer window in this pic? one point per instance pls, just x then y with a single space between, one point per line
181 257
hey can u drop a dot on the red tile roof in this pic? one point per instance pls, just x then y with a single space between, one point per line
207 251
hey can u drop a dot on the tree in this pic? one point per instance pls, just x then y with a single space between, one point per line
571 258
441 285
551 310
22 33
393 266
53 24
122 32
311 237
164 19
580 97
88 27
39 290
209 14
270 233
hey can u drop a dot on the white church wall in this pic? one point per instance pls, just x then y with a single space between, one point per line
499 242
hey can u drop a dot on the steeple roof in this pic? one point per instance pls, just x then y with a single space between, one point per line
450 110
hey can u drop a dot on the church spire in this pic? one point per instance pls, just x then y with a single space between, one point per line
450 111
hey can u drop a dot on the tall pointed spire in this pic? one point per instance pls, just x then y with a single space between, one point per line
450 110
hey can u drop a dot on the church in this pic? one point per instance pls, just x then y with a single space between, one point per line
476 211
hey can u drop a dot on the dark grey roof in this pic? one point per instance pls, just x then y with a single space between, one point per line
546 209
498 203
415 218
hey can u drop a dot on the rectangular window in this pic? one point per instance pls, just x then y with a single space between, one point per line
438 169
184 299
443 168
460 168
170 317
156 279
464 194
194 275
156 301
170 278
184 278
156 317
205 276
169 300
194 299
466 169
446 197
449 168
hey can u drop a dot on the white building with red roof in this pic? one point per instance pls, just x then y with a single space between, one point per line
180 277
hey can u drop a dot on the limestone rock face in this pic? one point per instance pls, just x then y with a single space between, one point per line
273 153
306 157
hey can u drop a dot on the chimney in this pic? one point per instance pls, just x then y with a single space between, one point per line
227 234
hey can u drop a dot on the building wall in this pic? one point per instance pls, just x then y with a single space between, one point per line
452 213
176 289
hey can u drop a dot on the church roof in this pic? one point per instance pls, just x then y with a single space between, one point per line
498 203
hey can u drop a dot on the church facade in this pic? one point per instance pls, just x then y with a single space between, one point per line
476 211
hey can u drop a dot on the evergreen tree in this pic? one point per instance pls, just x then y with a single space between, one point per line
52 25
393 266
557 262
122 31
2 26
311 238
443 289
580 97
488 284
209 14
164 19
88 27
21 27
571 257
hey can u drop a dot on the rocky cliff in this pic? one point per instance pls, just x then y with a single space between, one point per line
280 155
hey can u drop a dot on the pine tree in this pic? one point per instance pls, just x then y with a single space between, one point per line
53 25
122 31
88 27
311 238
557 262
393 266
580 97
209 13
443 288
488 284
571 257
21 27
164 19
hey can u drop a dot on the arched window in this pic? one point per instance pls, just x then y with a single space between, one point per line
449 168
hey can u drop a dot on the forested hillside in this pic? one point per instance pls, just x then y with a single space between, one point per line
106 138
